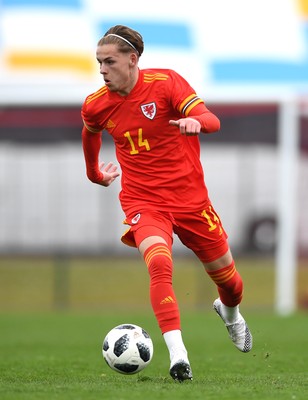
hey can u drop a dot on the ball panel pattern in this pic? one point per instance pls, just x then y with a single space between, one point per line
121 345
127 349
144 351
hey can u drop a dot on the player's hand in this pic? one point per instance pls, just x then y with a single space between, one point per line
110 173
187 126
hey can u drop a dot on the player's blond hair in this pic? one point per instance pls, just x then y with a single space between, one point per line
127 39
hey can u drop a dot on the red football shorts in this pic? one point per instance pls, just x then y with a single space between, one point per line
201 231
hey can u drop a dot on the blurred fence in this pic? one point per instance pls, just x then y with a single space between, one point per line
47 204
111 283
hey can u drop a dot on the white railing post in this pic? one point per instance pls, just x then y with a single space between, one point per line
286 252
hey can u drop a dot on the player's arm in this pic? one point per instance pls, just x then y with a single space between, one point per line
96 172
200 119
209 122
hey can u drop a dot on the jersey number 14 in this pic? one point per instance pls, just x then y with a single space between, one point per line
141 142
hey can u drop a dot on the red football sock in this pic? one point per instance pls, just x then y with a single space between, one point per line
159 261
229 284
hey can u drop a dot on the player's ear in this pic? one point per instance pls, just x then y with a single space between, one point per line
133 59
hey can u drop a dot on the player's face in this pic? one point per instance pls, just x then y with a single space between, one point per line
118 69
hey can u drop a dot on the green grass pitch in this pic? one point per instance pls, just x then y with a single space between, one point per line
55 313
58 356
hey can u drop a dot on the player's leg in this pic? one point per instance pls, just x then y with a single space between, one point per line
157 255
230 288
204 234
153 236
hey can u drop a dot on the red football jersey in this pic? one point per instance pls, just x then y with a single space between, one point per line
161 168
